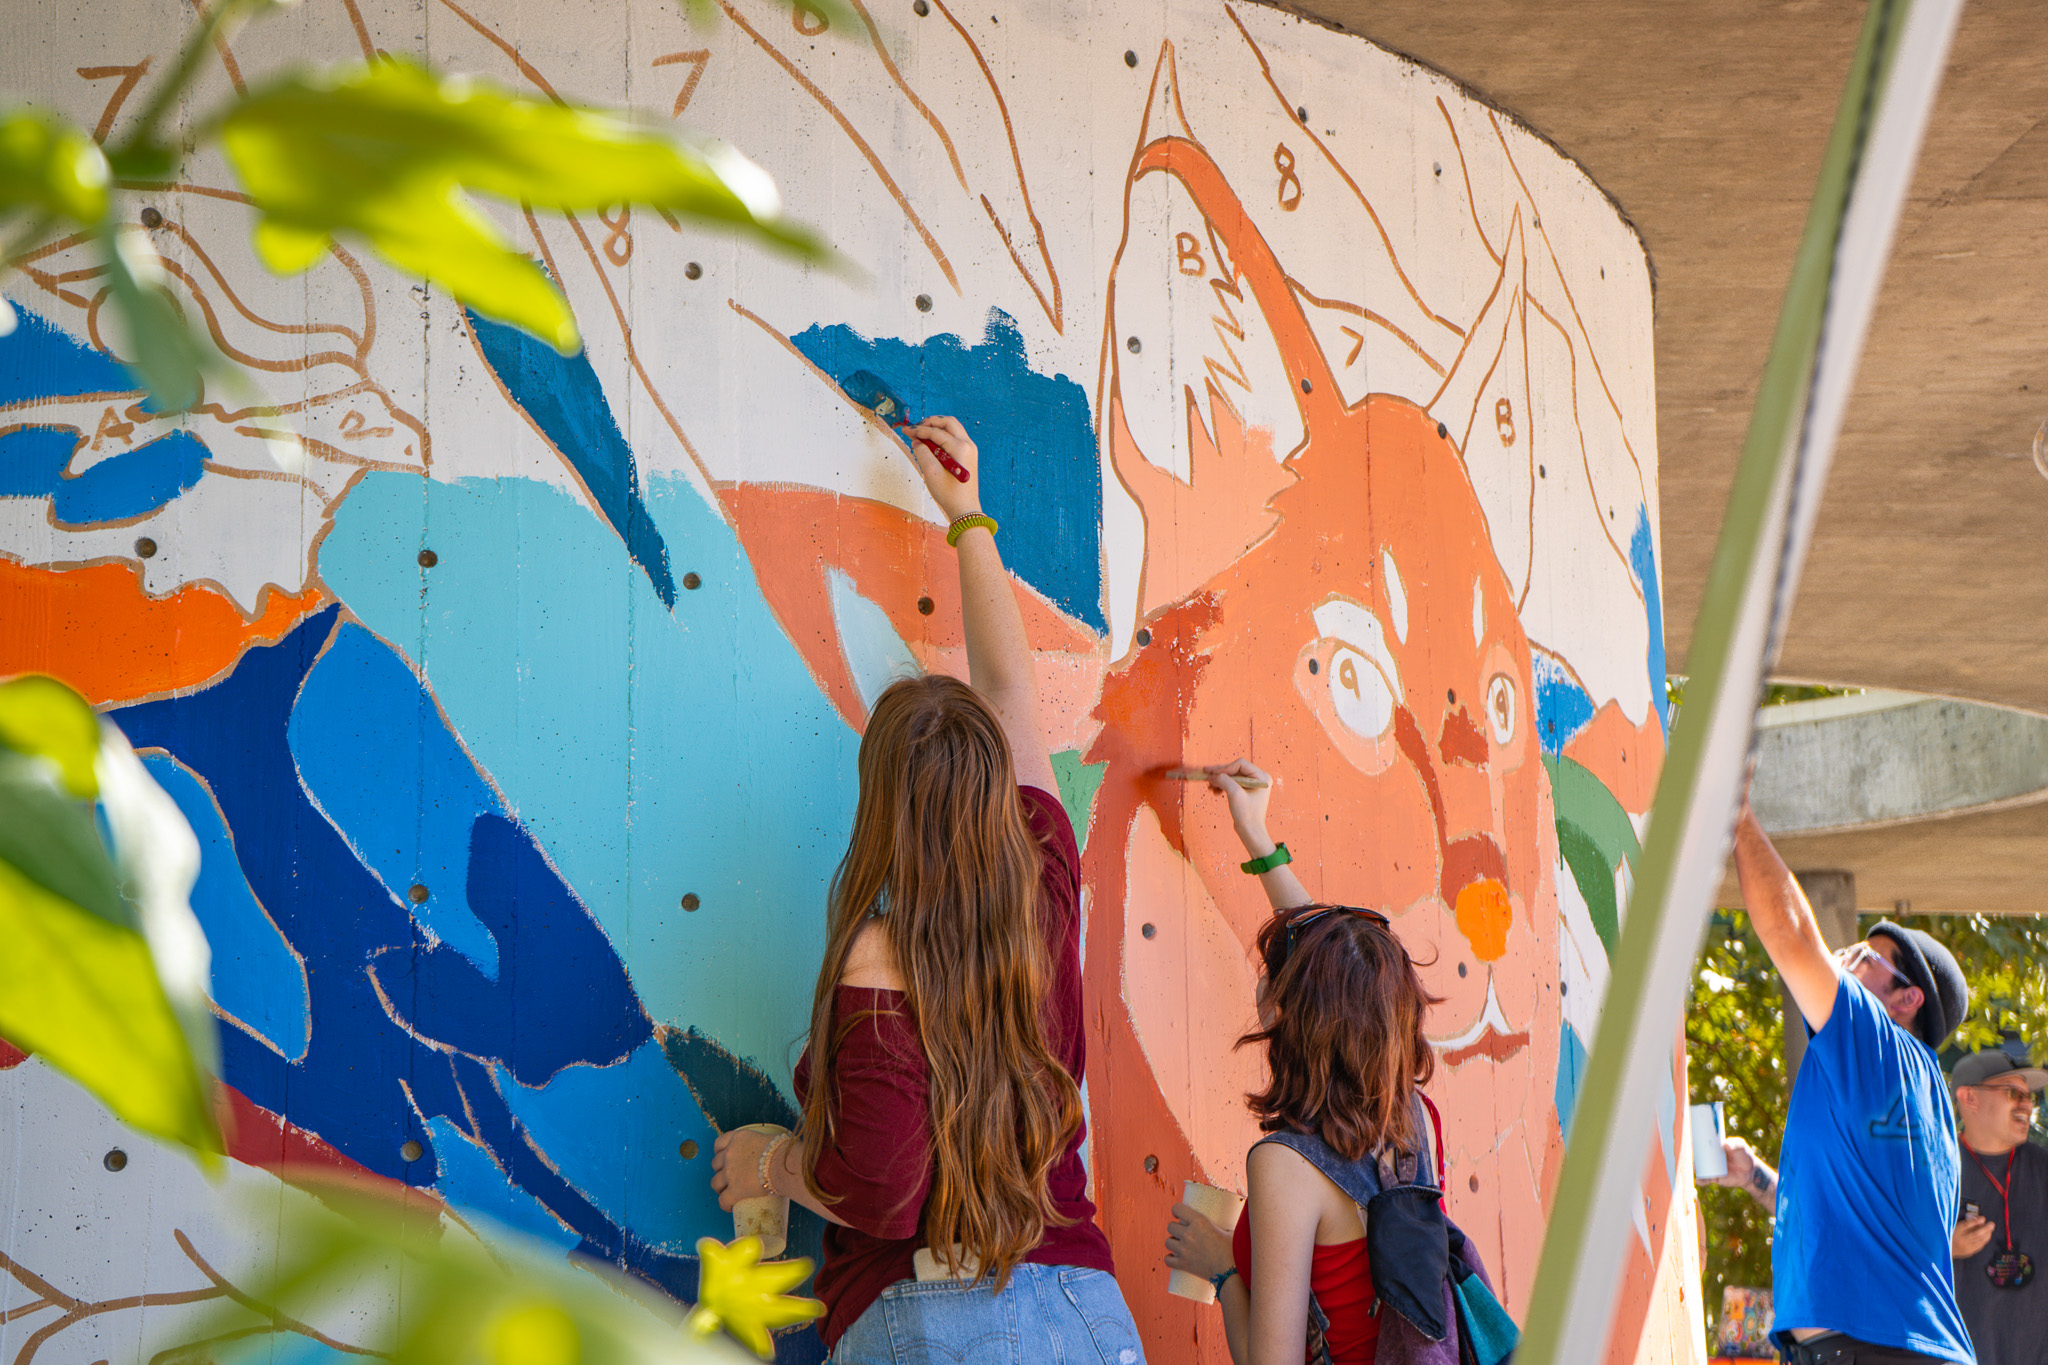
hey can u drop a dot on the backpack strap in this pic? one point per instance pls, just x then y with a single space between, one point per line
1358 1179
1433 1127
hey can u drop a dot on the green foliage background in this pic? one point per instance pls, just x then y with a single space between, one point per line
1735 1051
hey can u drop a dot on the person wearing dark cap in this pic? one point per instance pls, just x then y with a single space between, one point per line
2005 1210
1867 1175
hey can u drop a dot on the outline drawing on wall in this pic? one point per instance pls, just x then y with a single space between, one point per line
518 726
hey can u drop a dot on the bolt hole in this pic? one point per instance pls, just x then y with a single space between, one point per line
690 901
152 219
418 893
1144 638
1314 667
1437 166
1442 431
410 1150
1541 472
693 271
1131 59
924 303
1151 1164
1301 112
1133 345
1307 387
1461 969
1564 988
689 1147
428 559
115 1160
1148 930
924 606
692 582
146 548
1472 1183
1451 697
921 9
1603 272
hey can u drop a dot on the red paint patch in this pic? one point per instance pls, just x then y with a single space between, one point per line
10 1056
257 1137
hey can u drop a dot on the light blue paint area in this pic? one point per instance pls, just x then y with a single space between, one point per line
1642 560
364 729
1043 476
133 483
42 360
614 1131
875 654
1667 1123
649 754
1571 1073
471 1181
257 978
289 1348
1563 708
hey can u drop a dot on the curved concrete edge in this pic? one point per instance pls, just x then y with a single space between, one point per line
1879 759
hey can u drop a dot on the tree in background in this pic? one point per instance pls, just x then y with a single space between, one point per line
1735 1051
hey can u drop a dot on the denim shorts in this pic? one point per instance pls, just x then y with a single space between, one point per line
1046 1315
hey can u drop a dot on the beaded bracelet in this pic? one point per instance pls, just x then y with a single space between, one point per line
768 1152
967 523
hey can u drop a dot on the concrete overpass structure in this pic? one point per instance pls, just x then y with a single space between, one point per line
1929 571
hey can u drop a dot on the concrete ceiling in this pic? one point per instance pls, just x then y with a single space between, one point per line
1706 123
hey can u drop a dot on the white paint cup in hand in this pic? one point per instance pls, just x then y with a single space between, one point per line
766 1216
1220 1207
1709 1157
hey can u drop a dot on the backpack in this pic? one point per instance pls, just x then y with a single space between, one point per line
1424 1269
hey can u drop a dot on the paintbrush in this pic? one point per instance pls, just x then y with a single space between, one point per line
867 390
1250 784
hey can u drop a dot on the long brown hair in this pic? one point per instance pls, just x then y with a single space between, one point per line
942 852
1345 1045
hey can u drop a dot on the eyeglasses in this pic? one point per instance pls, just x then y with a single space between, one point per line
1302 918
2014 1093
1856 954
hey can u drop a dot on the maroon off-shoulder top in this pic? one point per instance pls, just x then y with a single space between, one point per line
880 1165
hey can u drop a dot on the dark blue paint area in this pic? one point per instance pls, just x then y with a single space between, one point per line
32 459
44 361
1035 434
565 400
365 1084
131 483
1563 708
1642 559
571 1004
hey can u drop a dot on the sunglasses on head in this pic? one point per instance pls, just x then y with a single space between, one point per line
1299 922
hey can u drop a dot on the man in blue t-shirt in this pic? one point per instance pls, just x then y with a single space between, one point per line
1867 1177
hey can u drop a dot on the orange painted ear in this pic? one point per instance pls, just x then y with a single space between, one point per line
863 588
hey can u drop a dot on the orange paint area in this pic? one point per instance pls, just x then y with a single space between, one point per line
1483 918
95 628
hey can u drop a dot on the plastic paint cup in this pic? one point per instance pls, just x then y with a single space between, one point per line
1220 1207
1709 1158
766 1217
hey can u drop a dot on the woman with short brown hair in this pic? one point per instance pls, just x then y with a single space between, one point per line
941 1088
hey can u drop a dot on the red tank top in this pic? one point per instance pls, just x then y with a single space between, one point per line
1341 1280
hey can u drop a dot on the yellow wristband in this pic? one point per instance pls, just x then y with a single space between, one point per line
966 524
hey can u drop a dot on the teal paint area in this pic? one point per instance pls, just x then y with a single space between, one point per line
470 1180
629 1164
1642 561
117 488
1079 781
1571 1074
364 730
566 401
257 977
649 754
1034 431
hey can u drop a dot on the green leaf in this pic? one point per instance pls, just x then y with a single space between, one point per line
163 351
49 838
82 993
48 165
43 717
388 152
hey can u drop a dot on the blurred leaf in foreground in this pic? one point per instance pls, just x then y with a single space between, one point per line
104 967
387 151
748 1299
50 168
438 1293
164 352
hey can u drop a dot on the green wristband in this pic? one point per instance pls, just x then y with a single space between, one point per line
1279 857
967 523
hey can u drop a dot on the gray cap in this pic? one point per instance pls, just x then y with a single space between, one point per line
1995 1064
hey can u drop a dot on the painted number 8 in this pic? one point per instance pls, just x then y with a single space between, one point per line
1504 419
1290 183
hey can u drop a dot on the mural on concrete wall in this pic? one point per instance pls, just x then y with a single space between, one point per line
518 726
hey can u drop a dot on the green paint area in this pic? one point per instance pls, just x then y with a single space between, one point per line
1078 784
1595 836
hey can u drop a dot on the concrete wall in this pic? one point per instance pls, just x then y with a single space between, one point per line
1317 408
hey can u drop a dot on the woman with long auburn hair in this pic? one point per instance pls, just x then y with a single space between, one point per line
1341 1009
941 1097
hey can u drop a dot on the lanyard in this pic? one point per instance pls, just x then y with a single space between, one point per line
2004 1188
